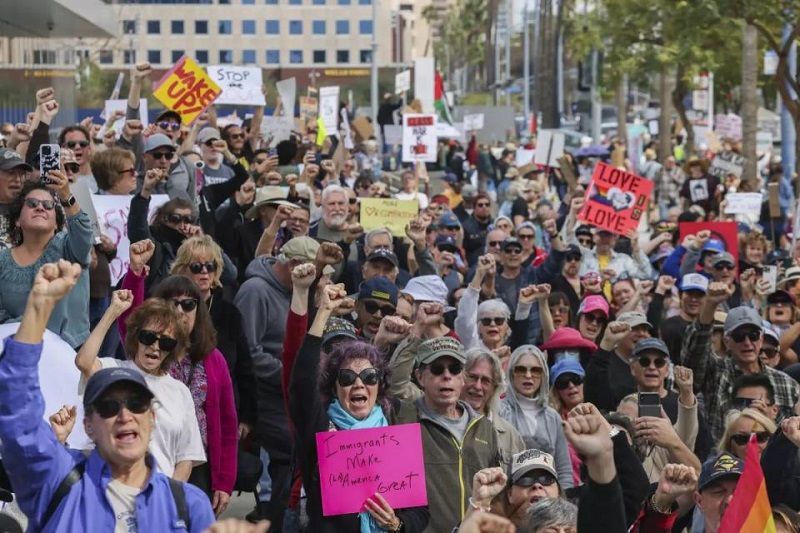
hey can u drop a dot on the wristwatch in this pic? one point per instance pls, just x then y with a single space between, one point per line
69 202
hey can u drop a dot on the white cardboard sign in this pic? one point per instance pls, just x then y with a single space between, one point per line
419 137
329 108
402 82
549 148
240 85
473 122
287 89
743 203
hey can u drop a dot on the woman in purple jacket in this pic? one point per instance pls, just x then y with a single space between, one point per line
203 369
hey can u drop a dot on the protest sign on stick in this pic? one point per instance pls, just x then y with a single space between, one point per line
473 122
549 148
240 85
419 137
743 203
402 82
287 89
187 89
615 200
727 163
329 108
387 213
355 464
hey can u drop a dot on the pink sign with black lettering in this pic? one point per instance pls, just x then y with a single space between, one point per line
355 464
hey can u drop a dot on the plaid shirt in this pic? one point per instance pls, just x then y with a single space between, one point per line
714 377
668 184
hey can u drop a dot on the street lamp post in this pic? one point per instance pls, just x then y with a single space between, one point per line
374 74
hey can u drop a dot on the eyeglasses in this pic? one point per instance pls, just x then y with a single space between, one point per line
594 319
513 251
563 382
210 144
645 361
743 438
174 218
724 266
162 155
187 304
346 377
522 370
739 336
544 479
33 203
373 307
496 320
482 204
573 257
236 136
586 243
72 168
166 125
483 380
495 244
525 237
437 369
769 352
73 144
197 267
128 170
165 343
110 407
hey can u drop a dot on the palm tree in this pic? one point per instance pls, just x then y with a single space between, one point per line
749 102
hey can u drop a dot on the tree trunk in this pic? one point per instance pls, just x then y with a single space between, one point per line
665 119
750 103
621 101
678 97
491 43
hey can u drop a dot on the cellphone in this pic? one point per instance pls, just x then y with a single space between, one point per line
49 159
771 274
649 404
272 152
740 403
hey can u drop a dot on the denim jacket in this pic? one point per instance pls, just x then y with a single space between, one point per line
37 463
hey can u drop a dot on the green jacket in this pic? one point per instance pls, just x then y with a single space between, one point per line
450 465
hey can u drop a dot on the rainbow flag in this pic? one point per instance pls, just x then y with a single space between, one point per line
749 510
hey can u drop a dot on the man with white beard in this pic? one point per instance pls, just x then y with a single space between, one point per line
332 226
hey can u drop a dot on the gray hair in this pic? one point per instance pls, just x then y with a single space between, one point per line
475 356
374 233
332 189
495 305
552 512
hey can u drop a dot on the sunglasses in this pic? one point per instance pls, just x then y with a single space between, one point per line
210 143
110 408
724 266
72 168
573 257
594 319
197 267
544 479
497 320
346 377
563 382
739 336
33 203
187 304
645 361
165 343
526 237
585 242
372 308
451 228
513 251
166 125
174 218
769 352
162 155
237 136
482 205
743 438
495 244
522 370
437 369
73 144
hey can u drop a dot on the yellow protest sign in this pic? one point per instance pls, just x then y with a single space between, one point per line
387 213
187 89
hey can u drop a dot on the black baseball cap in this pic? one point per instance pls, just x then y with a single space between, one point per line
9 159
383 254
724 465
169 114
105 378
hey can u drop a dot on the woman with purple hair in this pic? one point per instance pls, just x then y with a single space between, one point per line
349 392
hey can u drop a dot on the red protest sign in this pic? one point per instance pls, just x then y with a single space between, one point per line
357 463
726 232
616 200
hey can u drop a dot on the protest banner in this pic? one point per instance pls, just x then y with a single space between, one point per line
728 126
58 380
615 200
187 89
112 217
240 85
726 232
549 148
287 90
419 138
727 163
308 107
473 122
329 108
277 128
402 82
392 134
424 82
387 213
121 105
357 463
743 203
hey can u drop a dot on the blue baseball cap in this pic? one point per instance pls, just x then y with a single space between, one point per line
106 377
713 245
379 288
448 219
446 242
567 365
724 465
450 177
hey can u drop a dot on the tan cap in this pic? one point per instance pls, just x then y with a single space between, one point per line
302 248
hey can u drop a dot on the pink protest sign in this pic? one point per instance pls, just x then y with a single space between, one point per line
355 464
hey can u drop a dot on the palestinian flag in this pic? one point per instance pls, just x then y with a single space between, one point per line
440 100
749 510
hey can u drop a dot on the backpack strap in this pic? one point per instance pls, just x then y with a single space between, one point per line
179 495
61 492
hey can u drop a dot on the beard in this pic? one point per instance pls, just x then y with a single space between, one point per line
335 221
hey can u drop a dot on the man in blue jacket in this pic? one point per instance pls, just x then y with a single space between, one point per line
60 489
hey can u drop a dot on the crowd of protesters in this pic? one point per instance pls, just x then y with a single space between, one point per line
564 377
